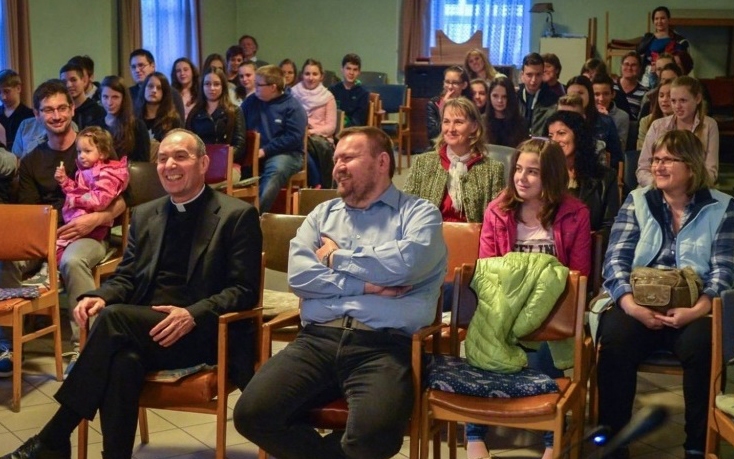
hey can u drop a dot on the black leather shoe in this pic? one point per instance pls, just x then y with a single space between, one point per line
34 449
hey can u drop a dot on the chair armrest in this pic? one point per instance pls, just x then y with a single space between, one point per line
241 315
282 320
430 330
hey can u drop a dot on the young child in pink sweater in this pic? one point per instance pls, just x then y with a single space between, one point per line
99 179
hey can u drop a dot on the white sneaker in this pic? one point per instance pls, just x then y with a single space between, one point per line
74 355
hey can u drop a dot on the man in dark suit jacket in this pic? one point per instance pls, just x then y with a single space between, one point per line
191 257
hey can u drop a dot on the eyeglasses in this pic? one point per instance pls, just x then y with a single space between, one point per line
62 109
178 157
139 66
665 162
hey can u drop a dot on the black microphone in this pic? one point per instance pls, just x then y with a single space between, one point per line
642 423
598 435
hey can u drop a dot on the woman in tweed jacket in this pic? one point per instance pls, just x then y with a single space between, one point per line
457 177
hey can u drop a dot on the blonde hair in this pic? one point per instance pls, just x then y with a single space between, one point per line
467 108
101 139
696 90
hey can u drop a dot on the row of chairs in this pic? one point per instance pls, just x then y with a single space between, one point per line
435 407
387 100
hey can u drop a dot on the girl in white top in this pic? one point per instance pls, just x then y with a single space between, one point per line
688 114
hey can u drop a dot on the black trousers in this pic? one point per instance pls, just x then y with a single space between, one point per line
626 342
371 369
110 371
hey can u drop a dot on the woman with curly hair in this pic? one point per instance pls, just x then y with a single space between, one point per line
602 125
592 182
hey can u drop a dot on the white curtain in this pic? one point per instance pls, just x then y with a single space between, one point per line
501 21
5 35
170 30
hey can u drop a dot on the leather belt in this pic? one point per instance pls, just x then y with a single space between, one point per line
347 323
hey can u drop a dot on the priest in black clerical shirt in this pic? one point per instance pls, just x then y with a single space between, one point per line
191 257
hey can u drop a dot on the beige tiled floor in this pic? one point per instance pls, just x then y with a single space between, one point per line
188 435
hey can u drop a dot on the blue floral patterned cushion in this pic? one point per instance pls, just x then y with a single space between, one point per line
452 374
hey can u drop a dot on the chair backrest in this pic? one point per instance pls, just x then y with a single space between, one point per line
220 163
721 94
599 241
392 96
278 230
371 114
631 158
375 110
144 184
504 155
564 321
727 316
330 78
27 232
309 198
340 117
368 78
462 242
252 142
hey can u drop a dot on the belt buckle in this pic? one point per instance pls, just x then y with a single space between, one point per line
347 322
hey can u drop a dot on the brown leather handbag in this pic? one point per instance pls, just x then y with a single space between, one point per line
665 288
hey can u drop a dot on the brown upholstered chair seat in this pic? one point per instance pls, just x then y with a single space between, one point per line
537 405
200 387
332 416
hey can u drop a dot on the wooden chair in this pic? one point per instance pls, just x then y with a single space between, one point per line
504 155
340 120
541 412
28 232
371 113
599 241
278 230
462 241
143 186
298 180
720 424
249 188
377 114
203 392
219 173
395 100
629 172
307 199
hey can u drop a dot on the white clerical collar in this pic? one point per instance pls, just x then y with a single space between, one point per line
180 206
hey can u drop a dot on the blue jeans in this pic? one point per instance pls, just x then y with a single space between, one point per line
371 369
274 176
